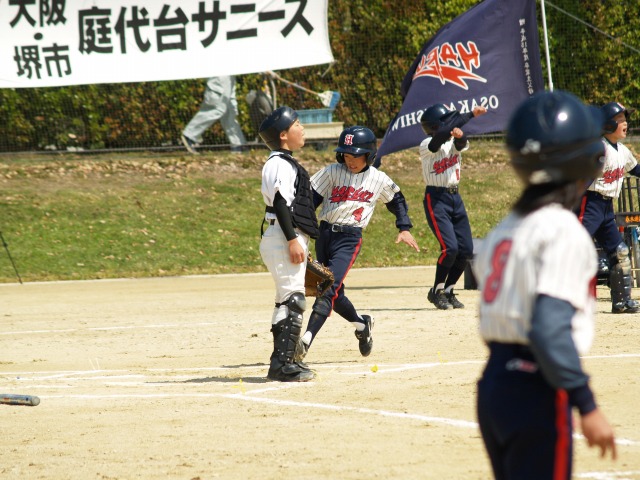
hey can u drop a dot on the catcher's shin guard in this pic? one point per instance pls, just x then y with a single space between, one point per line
286 337
621 282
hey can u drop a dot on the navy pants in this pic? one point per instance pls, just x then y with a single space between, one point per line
597 216
338 251
526 424
449 222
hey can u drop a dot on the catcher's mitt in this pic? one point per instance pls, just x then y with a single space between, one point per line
317 279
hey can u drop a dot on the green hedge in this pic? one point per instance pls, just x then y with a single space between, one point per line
373 41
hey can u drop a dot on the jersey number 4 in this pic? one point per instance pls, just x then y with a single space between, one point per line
357 214
494 279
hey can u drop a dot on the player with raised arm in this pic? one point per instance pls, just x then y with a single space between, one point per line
441 159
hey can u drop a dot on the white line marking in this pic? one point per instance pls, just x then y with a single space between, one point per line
413 366
610 475
122 327
291 403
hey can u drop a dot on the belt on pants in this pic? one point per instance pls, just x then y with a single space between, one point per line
599 195
513 357
337 228
452 190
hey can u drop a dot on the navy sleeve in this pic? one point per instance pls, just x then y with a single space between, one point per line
398 206
555 352
460 143
284 216
451 121
635 171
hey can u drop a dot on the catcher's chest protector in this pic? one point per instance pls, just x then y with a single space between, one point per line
302 211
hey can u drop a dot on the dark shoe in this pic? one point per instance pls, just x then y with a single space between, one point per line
365 338
190 145
455 303
439 299
290 372
629 306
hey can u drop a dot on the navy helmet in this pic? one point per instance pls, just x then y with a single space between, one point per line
554 138
278 121
357 141
610 110
434 117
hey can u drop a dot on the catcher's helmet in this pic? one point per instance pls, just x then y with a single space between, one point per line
612 109
278 121
433 118
552 137
357 141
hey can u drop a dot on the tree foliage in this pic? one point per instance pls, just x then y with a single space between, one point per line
374 43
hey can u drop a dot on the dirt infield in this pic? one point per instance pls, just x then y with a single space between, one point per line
165 379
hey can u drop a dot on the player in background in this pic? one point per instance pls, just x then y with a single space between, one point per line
348 192
284 247
441 157
536 273
596 208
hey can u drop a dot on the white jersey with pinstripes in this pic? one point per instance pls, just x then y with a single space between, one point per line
442 168
350 198
617 162
547 252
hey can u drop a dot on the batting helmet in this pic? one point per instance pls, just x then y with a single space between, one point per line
357 141
278 121
433 118
610 110
554 138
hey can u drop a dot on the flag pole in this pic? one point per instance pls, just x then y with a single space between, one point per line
546 45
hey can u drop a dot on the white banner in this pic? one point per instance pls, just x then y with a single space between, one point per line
46 43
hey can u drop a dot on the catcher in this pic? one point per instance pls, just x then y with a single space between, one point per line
284 246
348 191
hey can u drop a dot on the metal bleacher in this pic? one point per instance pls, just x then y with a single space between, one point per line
628 220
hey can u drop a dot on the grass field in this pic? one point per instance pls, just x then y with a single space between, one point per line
70 216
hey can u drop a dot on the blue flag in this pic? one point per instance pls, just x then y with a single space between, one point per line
488 55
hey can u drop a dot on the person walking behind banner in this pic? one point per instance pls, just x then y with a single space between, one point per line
441 157
596 208
536 274
347 192
219 104
289 211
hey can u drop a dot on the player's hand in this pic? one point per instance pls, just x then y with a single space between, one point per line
297 254
406 237
457 133
598 432
479 110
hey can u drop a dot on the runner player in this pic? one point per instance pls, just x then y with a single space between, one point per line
348 192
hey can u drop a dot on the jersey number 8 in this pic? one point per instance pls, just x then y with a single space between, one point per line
494 279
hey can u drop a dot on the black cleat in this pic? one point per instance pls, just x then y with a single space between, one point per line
455 303
439 299
365 338
290 372
628 306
